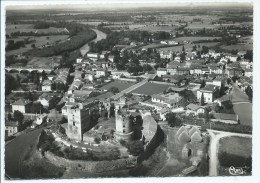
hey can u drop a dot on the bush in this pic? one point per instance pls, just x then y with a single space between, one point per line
135 147
97 140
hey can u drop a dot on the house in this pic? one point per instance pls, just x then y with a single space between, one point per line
49 100
166 55
118 73
194 109
163 113
22 105
210 93
249 73
79 60
232 58
93 56
161 71
171 100
11 127
216 70
183 71
235 72
101 72
46 85
103 54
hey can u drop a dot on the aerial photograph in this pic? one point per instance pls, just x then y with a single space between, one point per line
127 90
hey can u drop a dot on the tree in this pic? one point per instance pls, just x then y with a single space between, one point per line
172 119
10 84
114 90
202 100
135 147
9 117
206 115
249 92
44 75
18 116
187 97
33 46
36 108
222 90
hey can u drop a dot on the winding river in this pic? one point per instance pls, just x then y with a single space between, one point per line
100 35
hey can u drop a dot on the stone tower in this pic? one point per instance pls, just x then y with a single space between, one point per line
78 121
124 129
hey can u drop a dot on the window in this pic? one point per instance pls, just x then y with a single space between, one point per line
73 123
123 131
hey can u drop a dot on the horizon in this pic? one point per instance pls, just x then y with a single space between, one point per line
125 6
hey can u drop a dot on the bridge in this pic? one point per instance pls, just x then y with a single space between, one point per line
29 69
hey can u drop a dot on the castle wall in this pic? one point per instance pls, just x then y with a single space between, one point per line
91 166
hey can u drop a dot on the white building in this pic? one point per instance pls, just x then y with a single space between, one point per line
194 109
101 72
46 85
209 92
79 60
161 71
21 105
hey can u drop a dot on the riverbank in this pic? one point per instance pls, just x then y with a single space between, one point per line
100 35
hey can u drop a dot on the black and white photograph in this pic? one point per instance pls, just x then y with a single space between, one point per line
128 90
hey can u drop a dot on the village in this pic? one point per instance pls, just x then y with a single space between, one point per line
122 106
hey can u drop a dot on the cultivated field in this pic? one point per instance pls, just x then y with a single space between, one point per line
38 41
44 62
121 85
150 89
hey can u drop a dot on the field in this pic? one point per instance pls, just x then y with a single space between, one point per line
155 28
150 89
39 42
240 146
239 47
121 85
188 47
194 38
238 151
44 62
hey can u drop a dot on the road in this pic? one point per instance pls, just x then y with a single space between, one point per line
16 149
131 88
241 105
214 146
100 35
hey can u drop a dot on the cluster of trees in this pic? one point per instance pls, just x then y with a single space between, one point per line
58 86
10 60
173 120
187 97
11 45
11 83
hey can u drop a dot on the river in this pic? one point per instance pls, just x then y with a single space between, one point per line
100 35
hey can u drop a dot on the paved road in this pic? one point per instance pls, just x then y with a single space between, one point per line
242 106
131 88
16 149
214 146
